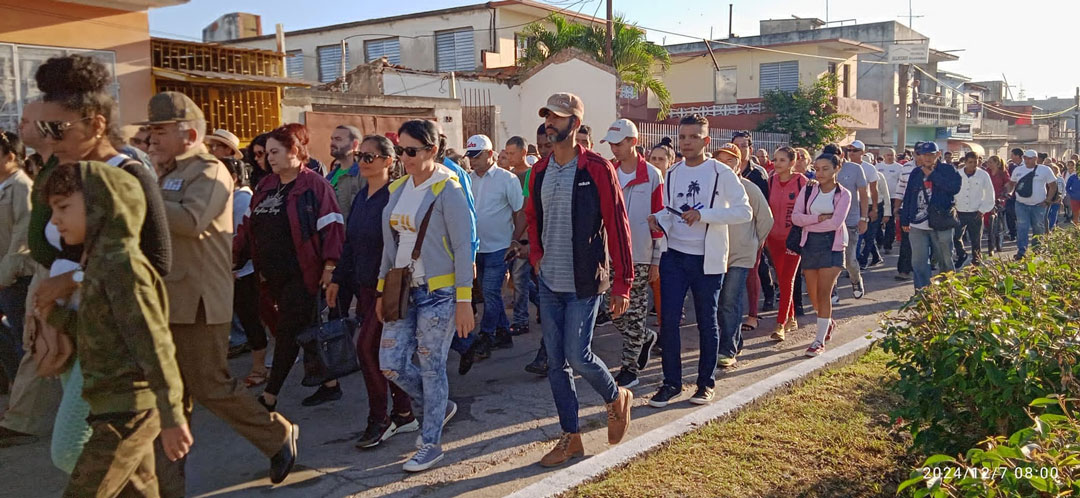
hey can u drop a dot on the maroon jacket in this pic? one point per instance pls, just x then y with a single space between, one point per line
600 232
316 223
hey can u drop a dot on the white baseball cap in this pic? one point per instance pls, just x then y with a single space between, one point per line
620 130
477 144
1031 153
858 145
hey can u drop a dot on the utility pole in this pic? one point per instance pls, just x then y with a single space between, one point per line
730 15
609 34
1076 123
901 129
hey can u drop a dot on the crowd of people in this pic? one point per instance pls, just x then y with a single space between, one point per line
161 256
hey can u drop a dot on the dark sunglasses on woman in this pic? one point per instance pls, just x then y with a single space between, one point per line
370 158
55 129
410 151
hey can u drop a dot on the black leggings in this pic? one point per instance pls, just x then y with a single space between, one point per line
295 310
246 307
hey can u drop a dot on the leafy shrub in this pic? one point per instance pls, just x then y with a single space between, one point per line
973 349
1041 460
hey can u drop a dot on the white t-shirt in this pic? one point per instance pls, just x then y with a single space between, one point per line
691 187
498 196
870 172
405 220
823 203
1043 176
892 174
625 178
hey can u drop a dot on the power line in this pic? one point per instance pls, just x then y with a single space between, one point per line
998 110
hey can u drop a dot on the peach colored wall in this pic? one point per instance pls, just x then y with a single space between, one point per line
69 25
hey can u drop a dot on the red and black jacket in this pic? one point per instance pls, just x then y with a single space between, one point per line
600 227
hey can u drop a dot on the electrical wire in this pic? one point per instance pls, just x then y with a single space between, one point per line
998 110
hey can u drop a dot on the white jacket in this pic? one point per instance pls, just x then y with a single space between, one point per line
976 192
729 206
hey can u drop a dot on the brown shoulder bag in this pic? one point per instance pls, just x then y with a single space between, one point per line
398 281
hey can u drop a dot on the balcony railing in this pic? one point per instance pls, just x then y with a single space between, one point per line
933 115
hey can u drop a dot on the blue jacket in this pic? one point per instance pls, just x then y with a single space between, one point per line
466 184
1073 187
945 182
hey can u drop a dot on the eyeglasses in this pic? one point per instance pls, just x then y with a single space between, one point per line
411 151
56 129
370 158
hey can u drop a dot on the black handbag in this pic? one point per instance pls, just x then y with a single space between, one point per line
940 218
329 349
793 242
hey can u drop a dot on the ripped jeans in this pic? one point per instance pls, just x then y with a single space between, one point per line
427 330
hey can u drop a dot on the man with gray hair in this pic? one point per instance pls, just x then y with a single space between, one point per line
344 173
197 190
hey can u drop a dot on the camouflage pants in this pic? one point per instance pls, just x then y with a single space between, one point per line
632 323
118 460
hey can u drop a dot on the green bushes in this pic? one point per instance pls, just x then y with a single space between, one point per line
973 349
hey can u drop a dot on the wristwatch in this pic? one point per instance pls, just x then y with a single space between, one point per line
865 219
77 276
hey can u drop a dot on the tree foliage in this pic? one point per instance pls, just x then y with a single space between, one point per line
807 114
633 56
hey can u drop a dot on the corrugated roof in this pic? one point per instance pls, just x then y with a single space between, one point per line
188 74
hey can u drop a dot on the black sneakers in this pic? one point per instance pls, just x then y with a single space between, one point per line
503 339
702 396
664 396
626 379
323 395
646 350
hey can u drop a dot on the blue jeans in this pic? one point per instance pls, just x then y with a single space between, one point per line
679 273
524 291
491 272
567 323
1028 219
1052 216
732 308
425 330
921 242
13 306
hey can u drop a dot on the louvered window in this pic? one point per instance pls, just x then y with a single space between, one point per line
386 47
294 64
455 50
783 76
330 62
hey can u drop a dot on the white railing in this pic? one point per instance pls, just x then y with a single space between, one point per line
651 133
717 110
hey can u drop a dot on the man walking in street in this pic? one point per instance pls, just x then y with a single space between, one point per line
852 176
197 190
927 212
577 224
520 269
1016 159
642 188
703 198
760 279
500 224
1034 185
975 199
903 262
892 171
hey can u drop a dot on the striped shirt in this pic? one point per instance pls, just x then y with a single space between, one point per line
557 266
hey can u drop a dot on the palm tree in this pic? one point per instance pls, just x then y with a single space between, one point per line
633 56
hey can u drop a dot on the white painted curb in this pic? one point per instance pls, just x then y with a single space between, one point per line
566 479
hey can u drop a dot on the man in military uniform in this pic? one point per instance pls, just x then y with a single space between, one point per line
197 190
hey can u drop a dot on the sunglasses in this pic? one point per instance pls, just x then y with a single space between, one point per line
56 129
411 151
370 158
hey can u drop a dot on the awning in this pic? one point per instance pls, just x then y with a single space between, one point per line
974 147
193 76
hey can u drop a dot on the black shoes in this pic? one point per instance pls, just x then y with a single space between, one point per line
664 396
626 379
538 367
503 340
646 350
375 433
323 395
483 346
519 329
702 396
270 407
237 351
468 358
282 463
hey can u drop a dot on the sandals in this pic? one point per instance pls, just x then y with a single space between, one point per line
256 378
746 327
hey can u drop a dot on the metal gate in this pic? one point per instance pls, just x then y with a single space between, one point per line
477 113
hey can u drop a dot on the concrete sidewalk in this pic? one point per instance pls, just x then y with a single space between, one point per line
505 423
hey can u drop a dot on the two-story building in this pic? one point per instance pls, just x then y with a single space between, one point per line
468 38
116 32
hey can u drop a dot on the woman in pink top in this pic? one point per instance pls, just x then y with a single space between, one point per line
824 237
784 187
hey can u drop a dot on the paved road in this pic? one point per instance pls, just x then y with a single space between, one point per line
506 421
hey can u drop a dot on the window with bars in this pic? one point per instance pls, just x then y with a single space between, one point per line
294 64
455 50
18 63
330 61
386 47
783 76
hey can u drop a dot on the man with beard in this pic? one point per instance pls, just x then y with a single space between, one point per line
344 173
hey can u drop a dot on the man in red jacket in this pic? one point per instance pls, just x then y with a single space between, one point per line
577 219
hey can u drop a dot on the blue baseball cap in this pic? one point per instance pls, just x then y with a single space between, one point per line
926 148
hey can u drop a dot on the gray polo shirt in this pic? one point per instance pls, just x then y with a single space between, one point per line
557 265
852 177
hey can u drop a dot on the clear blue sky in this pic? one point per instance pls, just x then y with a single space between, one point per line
1038 61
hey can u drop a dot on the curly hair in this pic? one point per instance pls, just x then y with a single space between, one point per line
63 180
80 84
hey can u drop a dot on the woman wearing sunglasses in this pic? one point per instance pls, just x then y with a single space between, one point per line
256 158
359 269
293 234
440 293
77 121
